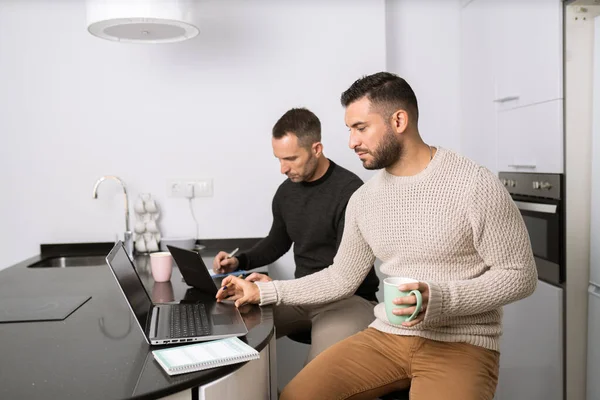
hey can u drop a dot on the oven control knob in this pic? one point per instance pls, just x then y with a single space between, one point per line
512 183
536 185
545 185
504 182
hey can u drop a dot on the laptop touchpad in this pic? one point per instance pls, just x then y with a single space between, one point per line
221 319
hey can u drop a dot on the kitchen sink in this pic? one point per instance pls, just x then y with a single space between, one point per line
76 261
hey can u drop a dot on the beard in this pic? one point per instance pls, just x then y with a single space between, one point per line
386 154
309 170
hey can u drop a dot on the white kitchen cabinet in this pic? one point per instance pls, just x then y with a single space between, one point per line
528 58
511 85
255 380
530 139
478 112
531 356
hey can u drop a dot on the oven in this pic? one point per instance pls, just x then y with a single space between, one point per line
540 199
538 373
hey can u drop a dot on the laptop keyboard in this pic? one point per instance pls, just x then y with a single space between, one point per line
189 320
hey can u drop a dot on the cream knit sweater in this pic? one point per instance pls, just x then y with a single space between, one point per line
453 226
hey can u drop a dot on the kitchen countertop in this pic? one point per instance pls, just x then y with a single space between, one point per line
97 351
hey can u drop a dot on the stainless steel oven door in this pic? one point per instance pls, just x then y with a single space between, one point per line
543 222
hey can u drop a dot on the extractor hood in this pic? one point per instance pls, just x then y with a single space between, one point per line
142 21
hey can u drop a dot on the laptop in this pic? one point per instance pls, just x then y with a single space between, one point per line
172 323
194 270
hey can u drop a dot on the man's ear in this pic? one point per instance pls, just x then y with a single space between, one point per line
399 121
317 149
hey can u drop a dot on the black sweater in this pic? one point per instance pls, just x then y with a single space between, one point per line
310 215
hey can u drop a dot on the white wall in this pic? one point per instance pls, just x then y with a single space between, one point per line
74 107
423 39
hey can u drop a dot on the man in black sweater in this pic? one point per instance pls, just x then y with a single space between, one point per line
308 212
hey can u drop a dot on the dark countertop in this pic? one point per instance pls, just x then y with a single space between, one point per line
97 351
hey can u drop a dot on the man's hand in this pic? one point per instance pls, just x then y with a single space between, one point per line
239 290
256 277
411 300
223 264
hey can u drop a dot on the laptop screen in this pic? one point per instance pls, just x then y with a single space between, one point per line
130 283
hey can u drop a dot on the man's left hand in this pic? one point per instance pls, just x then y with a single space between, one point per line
239 290
411 300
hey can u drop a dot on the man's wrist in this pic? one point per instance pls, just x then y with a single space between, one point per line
255 293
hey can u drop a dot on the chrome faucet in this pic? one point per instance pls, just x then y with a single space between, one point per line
127 236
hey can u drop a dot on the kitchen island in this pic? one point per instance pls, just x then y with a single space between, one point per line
98 351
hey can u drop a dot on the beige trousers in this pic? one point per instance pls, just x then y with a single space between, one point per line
330 323
372 363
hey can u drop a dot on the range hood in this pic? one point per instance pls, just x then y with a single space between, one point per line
142 21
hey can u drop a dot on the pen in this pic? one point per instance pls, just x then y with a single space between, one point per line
233 252
229 256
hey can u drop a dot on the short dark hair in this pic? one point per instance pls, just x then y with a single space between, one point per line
301 122
386 91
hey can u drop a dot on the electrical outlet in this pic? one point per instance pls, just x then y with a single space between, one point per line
177 188
203 188
189 189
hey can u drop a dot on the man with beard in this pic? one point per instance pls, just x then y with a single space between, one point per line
430 215
308 212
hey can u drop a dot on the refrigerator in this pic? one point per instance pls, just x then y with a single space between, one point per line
593 367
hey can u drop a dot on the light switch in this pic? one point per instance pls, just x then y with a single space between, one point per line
203 188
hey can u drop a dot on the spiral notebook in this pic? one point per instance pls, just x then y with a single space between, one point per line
206 355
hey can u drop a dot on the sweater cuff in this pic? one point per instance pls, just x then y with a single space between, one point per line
434 306
268 293
242 261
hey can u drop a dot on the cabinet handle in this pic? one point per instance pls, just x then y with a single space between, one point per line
505 99
530 166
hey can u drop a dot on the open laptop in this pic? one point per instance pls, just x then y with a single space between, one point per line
194 270
172 323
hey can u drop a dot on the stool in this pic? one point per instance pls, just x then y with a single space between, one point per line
399 395
301 336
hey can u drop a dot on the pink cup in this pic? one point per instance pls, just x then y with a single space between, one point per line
162 292
162 266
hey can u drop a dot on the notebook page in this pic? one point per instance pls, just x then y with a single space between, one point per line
213 353
201 354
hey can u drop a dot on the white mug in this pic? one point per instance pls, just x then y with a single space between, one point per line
140 245
139 206
152 245
140 227
145 196
151 226
150 206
